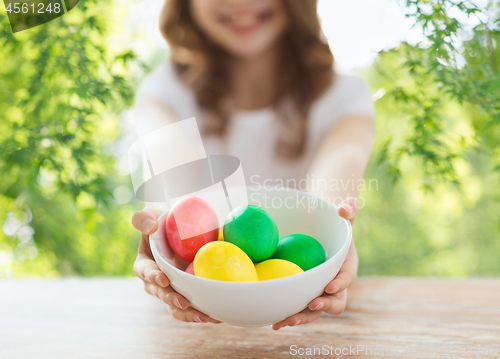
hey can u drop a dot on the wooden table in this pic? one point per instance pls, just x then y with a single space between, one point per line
115 318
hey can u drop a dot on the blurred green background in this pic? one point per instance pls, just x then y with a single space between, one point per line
65 194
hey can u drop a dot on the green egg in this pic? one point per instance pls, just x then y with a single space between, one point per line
253 230
301 249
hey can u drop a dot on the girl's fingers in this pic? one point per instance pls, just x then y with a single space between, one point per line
306 316
342 281
147 270
156 282
167 295
332 304
190 315
145 222
346 274
349 209
178 305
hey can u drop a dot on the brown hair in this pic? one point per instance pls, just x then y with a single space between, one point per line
305 69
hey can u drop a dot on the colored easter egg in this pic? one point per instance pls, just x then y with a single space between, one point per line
222 260
276 268
190 224
301 249
221 235
190 268
253 230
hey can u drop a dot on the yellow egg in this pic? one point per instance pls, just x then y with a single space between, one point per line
221 235
276 268
222 260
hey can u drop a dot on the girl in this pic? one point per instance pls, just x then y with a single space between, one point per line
258 76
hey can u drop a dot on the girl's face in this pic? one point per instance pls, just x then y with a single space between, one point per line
244 28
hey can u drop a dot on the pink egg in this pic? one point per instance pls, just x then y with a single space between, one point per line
190 268
190 224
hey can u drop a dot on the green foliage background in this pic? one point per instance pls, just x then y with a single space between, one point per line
436 160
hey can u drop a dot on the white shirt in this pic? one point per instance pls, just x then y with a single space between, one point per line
251 135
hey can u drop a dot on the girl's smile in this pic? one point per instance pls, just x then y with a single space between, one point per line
243 28
246 21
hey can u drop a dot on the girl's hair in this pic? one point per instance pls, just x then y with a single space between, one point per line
305 69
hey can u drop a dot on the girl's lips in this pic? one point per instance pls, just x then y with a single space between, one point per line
260 18
244 29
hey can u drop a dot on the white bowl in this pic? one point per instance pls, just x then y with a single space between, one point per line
249 304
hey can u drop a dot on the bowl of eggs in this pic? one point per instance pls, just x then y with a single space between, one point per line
261 264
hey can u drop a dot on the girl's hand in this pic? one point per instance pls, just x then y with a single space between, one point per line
333 301
155 281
